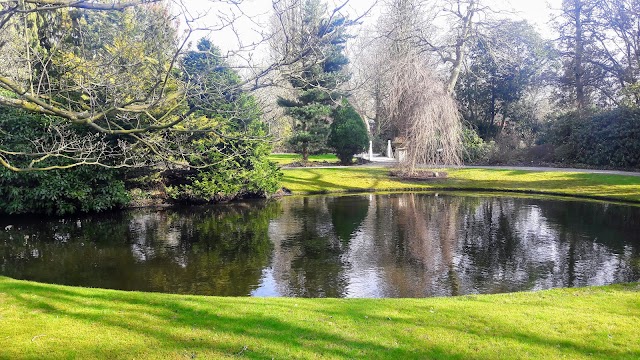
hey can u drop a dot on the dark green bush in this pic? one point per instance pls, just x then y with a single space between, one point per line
85 188
60 192
348 134
610 138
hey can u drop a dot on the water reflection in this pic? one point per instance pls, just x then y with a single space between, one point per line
398 245
201 250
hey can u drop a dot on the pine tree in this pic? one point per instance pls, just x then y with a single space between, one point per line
317 81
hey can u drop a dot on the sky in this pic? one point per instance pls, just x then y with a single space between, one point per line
537 12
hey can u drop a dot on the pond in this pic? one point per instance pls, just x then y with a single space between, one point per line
384 245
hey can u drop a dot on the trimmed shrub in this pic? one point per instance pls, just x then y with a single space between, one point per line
348 134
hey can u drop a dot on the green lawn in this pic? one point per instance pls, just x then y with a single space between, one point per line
51 322
39 321
284 159
612 187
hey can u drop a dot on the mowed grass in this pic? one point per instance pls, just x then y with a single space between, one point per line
39 321
358 179
284 159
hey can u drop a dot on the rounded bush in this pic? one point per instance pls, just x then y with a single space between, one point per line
348 134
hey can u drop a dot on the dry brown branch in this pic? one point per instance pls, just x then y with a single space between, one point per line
424 113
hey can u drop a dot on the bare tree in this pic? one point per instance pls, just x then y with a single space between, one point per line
409 100
617 43
425 114
376 50
462 18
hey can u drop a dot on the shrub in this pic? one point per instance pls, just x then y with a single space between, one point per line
60 192
242 168
475 149
610 138
230 181
348 134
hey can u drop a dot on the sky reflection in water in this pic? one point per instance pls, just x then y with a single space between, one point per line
398 245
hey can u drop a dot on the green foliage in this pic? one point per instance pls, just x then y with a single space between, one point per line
85 189
348 133
311 128
255 176
631 95
475 149
102 58
61 192
239 147
503 66
213 90
316 83
610 138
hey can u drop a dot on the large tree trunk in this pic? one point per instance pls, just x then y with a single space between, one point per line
461 44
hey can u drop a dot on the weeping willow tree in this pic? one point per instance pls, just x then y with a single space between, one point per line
424 114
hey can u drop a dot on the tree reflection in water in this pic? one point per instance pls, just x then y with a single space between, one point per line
398 245
219 250
419 245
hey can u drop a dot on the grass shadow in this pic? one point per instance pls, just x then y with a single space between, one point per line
302 328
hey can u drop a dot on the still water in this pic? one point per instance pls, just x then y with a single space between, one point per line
392 245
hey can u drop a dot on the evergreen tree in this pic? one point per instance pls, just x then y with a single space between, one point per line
348 133
231 152
510 61
317 81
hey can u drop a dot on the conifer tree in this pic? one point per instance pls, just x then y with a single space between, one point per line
316 81
349 134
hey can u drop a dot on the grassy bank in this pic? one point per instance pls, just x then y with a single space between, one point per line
52 322
613 187
284 159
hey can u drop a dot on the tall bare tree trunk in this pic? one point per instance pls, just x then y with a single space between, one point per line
465 32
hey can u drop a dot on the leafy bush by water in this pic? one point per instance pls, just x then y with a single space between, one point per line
84 189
